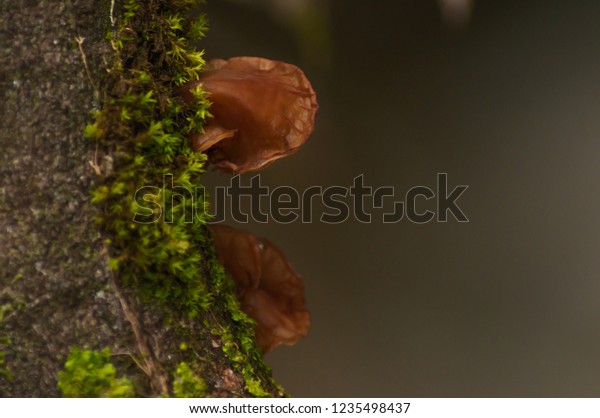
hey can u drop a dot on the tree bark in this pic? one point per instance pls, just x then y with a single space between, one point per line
56 290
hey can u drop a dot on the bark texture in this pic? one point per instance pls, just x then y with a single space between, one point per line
56 291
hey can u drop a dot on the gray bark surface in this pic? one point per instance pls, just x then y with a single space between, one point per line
53 277
56 291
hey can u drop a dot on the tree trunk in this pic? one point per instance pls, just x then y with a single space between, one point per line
58 294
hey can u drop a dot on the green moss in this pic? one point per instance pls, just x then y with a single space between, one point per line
186 384
238 341
89 374
5 372
155 230
143 127
4 309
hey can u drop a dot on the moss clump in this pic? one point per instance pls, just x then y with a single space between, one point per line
5 372
186 384
238 341
151 207
89 374
155 230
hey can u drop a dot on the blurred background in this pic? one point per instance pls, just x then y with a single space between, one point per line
504 96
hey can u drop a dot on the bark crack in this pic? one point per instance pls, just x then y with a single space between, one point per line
158 378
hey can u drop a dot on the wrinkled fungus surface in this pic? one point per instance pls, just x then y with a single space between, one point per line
269 290
263 110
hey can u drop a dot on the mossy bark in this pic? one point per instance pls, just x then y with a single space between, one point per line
56 290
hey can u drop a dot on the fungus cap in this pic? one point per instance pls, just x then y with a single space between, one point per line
269 290
262 110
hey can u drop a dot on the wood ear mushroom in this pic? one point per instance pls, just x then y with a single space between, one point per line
263 110
269 290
